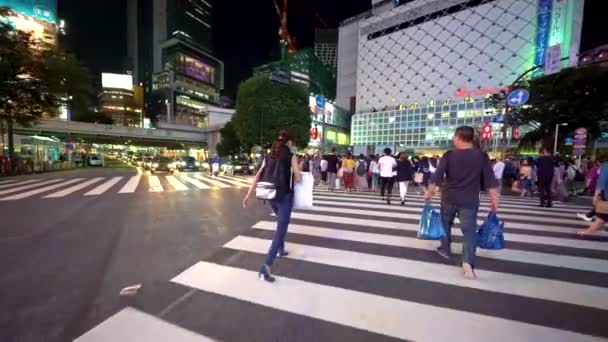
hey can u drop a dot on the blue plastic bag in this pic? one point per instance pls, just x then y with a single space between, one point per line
491 233
431 227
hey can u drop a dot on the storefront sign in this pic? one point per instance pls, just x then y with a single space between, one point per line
553 60
543 30
464 92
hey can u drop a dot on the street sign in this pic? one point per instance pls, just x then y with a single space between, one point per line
582 146
518 97
581 131
578 141
578 151
580 136
553 60
320 102
569 142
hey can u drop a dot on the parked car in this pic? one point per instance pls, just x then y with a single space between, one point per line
187 163
95 160
162 164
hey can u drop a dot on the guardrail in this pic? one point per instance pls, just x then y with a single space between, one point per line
93 129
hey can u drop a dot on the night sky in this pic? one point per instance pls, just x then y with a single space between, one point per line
245 30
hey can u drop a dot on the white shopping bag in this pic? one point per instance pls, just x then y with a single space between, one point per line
303 191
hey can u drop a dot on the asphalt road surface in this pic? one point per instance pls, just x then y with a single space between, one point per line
355 272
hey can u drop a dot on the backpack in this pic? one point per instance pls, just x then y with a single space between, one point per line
266 188
362 168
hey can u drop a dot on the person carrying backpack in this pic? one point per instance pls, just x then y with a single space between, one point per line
276 177
361 171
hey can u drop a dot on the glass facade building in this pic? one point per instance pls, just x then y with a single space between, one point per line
421 128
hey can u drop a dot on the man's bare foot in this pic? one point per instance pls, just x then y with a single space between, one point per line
468 271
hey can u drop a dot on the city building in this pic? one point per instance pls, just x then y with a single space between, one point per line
598 55
37 17
326 46
121 100
170 54
330 125
437 61
306 68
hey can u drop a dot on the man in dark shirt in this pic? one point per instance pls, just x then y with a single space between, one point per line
545 177
332 169
466 169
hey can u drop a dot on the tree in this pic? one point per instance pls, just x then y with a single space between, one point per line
263 108
34 78
576 96
24 94
156 108
230 143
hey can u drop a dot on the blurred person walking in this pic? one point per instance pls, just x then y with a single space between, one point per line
405 174
387 163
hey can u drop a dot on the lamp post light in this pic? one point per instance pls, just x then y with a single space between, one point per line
556 135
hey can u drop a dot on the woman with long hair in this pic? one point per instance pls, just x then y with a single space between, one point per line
282 163
374 169
405 174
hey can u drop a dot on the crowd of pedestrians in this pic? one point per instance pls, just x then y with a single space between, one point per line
461 174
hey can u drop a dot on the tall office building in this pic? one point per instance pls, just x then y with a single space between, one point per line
170 54
326 46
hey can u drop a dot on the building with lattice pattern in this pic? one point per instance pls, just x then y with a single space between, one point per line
431 55
326 46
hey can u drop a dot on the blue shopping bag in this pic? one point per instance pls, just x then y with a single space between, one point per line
431 227
491 233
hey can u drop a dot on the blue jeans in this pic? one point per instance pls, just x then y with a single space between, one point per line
282 208
468 219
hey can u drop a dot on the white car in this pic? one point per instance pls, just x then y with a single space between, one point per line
95 160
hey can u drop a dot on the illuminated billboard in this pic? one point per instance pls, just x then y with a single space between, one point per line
199 70
117 81
45 10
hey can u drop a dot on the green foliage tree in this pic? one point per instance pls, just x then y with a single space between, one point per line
230 143
576 96
34 78
263 108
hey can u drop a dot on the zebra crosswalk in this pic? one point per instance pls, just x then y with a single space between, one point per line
356 268
12 190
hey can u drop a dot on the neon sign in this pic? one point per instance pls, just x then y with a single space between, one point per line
464 92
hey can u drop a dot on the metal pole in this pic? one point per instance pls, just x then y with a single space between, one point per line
556 135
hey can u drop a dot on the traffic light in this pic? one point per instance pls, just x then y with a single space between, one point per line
515 132
486 132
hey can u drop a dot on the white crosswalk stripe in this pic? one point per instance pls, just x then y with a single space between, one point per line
133 325
120 184
131 186
29 186
11 183
41 190
212 181
195 182
177 185
104 187
544 265
154 184
74 188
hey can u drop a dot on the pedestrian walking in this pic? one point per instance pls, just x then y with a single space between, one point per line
499 170
545 172
386 164
374 168
361 173
525 178
281 168
600 201
332 169
348 170
405 174
466 170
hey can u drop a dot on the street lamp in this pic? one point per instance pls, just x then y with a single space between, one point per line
556 135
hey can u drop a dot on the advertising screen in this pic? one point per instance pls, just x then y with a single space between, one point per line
199 70
40 9
117 81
